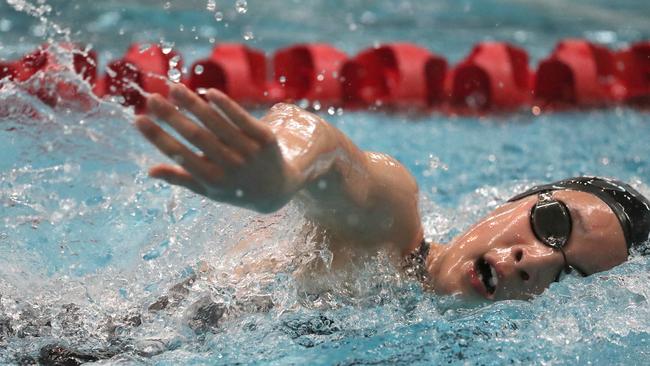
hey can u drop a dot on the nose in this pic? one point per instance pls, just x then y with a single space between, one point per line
532 263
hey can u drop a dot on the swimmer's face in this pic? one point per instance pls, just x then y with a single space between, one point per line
524 266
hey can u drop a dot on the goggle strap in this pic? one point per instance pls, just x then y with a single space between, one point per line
567 268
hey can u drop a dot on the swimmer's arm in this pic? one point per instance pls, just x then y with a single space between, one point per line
365 198
360 198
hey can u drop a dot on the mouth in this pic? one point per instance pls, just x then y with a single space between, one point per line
487 275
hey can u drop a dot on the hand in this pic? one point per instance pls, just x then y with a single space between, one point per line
239 160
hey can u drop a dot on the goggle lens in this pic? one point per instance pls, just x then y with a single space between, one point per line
551 221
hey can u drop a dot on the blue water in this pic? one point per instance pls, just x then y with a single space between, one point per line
81 223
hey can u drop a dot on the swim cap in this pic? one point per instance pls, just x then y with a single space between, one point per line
631 208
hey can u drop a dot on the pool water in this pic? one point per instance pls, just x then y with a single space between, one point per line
88 242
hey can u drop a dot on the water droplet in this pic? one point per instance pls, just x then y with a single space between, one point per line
316 105
248 35
241 6
476 100
211 5
218 16
167 5
282 79
320 77
143 47
521 36
198 69
368 17
173 62
322 184
166 47
174 75
331 111
5 25
239 193
110 72
603 36
536 110
303 103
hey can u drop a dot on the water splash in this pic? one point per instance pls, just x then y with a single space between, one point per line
241 6
49 30
89 244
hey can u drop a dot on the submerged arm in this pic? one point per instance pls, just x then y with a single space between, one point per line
360 198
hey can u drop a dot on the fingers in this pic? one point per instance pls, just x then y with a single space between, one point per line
247 123
220 124
177 176
195 134
194 164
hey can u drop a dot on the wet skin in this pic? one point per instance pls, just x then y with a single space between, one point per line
363 201
524 266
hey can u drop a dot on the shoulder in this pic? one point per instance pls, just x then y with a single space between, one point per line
282 112
389 168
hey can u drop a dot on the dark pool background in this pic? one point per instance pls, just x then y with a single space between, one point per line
82 224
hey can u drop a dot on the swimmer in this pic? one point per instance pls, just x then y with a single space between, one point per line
364 202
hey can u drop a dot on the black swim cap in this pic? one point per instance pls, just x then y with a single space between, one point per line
631 208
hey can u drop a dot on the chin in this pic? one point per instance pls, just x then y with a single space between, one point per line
452 284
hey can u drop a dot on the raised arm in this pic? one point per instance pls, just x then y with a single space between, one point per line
361 199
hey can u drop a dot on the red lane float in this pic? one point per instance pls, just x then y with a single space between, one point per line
50 89
578 73
392 75
142 67
30 64
309 71
123 79
235 69
84 63
7 70
436 75
633 68
493 76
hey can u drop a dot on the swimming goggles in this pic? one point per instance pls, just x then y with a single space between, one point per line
551 223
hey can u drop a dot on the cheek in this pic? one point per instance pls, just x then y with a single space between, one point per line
495 235
514 232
